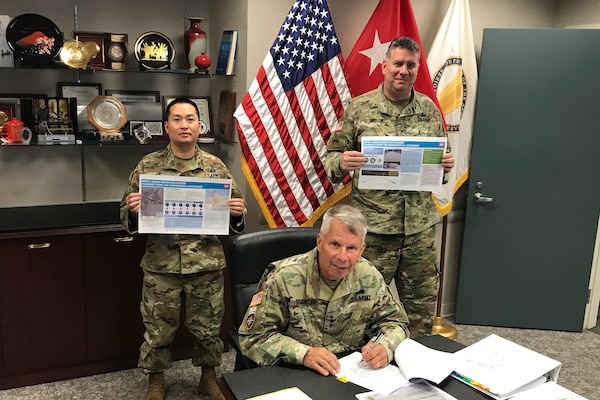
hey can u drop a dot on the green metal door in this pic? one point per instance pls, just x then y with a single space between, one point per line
535 166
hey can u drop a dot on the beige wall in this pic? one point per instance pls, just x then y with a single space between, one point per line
578 12
350 17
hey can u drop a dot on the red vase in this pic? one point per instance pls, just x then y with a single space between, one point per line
195 42
202 62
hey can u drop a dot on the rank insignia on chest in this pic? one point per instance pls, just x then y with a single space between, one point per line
257 298
251 318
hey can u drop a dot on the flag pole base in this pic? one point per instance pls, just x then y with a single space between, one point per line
443 329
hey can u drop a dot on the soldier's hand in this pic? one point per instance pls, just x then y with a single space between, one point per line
321 360
134 202
237 207
447 162
375 357
352 160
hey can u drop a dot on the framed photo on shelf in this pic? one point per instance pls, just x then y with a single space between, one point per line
203 104
84 93
135 96
144 130
154 127
102 39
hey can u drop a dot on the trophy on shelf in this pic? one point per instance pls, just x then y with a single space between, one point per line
108 115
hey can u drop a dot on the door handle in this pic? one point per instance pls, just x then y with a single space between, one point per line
479 198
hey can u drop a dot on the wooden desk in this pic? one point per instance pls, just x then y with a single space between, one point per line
253 382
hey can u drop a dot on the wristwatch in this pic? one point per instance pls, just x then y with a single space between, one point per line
117 51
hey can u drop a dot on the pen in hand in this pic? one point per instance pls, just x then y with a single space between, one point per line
373 344
376 342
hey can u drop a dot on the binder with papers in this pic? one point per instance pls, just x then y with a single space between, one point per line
502 369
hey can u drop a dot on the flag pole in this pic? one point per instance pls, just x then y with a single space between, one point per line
439 326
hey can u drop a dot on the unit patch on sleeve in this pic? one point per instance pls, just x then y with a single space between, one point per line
251 317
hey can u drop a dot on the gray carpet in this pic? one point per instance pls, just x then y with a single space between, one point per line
578 352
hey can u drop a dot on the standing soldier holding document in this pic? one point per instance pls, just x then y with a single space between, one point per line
401 224
178 267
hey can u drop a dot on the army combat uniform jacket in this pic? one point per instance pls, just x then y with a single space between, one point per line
372 114
295 310
179 254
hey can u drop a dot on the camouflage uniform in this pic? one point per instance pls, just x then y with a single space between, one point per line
295 310
180 266
401 224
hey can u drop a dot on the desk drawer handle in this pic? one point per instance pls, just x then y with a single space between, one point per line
35 246
124 239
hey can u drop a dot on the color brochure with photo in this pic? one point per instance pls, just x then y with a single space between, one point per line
409 163
184 205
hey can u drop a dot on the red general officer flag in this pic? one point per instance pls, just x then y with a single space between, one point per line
391 18
285 120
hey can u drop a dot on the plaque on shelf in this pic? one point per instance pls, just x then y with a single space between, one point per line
153 50
84 93
56 115
34 39
101 41
225 123
116 51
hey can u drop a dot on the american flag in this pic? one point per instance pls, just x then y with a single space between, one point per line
285 120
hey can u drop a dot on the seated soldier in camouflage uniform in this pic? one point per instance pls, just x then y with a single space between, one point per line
313 305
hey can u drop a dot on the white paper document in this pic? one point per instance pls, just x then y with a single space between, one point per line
501 368
184 205
382 380
411 163
292 393
421 390
419 361
415 361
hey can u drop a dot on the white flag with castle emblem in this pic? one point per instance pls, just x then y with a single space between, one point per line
453 71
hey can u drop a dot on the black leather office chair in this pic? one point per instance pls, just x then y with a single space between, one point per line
248 255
